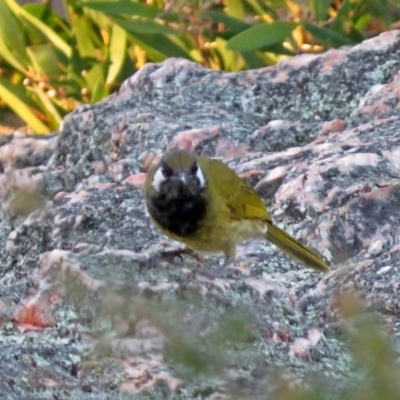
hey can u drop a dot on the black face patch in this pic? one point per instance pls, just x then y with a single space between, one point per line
179 207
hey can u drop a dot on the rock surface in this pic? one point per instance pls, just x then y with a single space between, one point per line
92 306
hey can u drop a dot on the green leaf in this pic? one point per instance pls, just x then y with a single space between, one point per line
235 8
143 26
46 31
96 82
53 20
362 22
170 16
326 36
256 7
343 17
45 59
94 76
130 8
228 60
252 60
48 107
9 57
232 24
159 47
82 32
74 68
320 9
98 19
17 101
99 91
117 50
37 10
11 33
277 48
261 35
345 10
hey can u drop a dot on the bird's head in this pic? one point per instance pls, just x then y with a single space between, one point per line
178 174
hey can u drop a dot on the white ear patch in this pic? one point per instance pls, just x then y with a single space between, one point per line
200 177
158 179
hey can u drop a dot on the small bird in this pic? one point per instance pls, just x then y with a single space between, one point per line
202 203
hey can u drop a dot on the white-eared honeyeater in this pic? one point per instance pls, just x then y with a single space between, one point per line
203 203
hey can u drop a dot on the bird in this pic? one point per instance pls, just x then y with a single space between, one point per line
202 203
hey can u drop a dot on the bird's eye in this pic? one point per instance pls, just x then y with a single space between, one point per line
194 169
164 172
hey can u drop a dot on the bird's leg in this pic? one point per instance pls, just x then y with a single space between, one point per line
227 262
224 271
230 255
195 254
170 254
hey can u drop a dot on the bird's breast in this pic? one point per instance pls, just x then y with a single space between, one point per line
181 216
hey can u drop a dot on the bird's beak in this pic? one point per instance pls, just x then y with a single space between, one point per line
183 176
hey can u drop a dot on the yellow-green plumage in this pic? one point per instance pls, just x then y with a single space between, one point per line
294 249
234 212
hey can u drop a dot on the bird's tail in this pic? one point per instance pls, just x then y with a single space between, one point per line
294 249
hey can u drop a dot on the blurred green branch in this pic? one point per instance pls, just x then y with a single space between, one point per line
374 354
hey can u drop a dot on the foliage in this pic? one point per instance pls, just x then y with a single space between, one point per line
375 355
50 63
205 341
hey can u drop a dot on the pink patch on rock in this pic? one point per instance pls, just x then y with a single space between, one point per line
227 148
336 125
33 312
135 180
189 140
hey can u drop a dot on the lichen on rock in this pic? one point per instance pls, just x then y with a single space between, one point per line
92 300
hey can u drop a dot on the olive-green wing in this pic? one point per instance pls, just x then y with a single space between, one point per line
242 201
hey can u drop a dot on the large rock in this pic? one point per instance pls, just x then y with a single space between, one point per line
83 270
